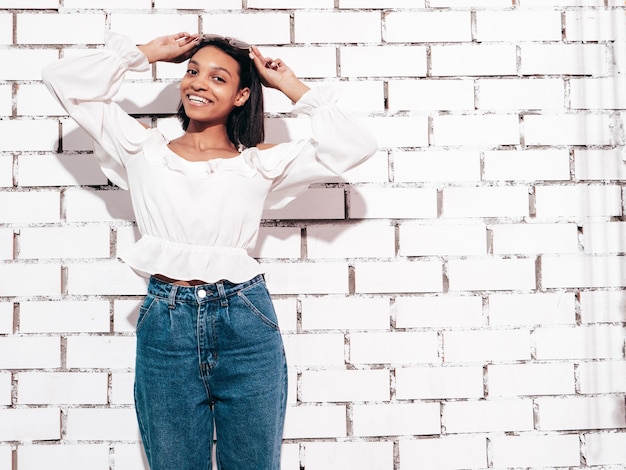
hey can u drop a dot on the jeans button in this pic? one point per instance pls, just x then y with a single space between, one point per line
202 293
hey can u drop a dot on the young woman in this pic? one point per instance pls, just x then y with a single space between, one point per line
209 351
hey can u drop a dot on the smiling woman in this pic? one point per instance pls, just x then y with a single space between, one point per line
209 350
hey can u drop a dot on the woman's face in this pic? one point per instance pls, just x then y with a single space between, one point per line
210 88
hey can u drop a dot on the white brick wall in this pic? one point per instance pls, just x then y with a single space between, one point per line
456 302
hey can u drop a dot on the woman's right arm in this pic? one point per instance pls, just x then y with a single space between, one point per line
85 86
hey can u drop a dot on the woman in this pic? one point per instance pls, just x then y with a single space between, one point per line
209 350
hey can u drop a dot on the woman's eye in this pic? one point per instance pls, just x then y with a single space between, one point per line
191 72
218 79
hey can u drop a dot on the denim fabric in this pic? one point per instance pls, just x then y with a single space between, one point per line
210 355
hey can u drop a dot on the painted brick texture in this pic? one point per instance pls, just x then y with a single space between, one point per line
456 302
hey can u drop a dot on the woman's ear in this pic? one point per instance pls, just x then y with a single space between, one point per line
242 96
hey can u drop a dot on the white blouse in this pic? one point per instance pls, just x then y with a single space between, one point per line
198 220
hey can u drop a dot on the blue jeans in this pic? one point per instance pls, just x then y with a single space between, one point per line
210 355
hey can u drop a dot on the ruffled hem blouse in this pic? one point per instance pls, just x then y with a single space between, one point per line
198 219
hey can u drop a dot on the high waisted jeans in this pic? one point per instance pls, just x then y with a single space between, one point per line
210 355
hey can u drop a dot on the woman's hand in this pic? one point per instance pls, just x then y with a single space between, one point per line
275 74
173 48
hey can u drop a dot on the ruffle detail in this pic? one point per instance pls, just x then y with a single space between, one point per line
316 98
122 45
152 255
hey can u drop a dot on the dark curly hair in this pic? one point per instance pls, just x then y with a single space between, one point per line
245 124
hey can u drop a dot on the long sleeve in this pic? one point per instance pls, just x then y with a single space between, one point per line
339 142
85 87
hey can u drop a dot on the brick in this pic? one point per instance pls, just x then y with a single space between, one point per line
436 166
6 28
30 424
381 3
393 348
367 240
128 456
438 311
595 164
349 455
604 237
314 203
6 317
583 271
424 383
368 202
125 313
91 241
447 452
139 98
362 98
571 413
563 3
602 377
29 206
143 27
491 274
428 26
75 28
563 59
6 100
125 237
35 99
286 4
277 242
532 309
115 352
6 244
442 239
287 314
526 165
65 316
473 60
530 379
499 94
345 313
306 62
536 451
30 279
578 201
314 349
99 205
55 388
28 135
567 129
28 4
75 138
486 345
475 4
595 25
518 25
122 388
307 278
275 26
476 130
108 4
500 415
337 27
345 386
103 278
59 170
399 131
581 342
534 238
383 61
119 424
199 4
598 93
308 421
396 419
605 448
64 457
396 277
431 95
373 170
602 306
26 64
6 389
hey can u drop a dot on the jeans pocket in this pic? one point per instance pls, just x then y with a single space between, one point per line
146 307
259 302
